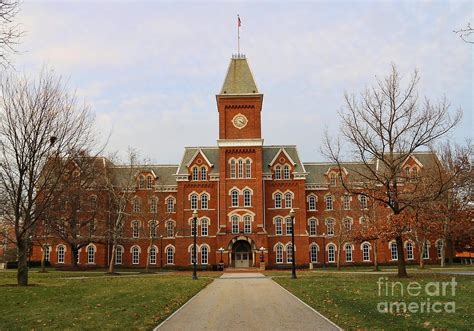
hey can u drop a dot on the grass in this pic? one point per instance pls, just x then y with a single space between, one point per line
94 301
351 300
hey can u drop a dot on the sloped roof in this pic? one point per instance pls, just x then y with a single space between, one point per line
239 78
270 152
211 153
318 170
163 172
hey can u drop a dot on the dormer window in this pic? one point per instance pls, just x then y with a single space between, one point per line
149 182
277 172
333 179
414 172
141 182
286 172
203 173
195 173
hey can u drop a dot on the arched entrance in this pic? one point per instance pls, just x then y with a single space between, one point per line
242 254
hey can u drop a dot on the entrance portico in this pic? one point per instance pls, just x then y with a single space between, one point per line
242 252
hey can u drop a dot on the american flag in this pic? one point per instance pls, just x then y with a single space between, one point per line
239 22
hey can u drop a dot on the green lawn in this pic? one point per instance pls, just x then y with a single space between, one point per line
93 301
351 300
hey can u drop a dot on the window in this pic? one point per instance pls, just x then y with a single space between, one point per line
331 253
247 224
279 253
93 203
333 179
170 255
409 247
312 227
153 205
232 169
289 225
135 255
204 201
394 251
47 253
153 255
137 205
135 229
366 252
312 202
203 173
191 255
278 226
286 172
90 254
235 224
204 254
314 253
346 202
118 255
170 205
195 173
61 252
248 169
278 200
170 229
153 228
407 172
192 226
363 202
194 201
149 182
204 227
414 172
329 202
288 200
141 182
234 196
277 172
426 251
289 254
348 224
439 248
348 252
247 198
330 227
241 169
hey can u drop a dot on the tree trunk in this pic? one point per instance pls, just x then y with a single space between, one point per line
450 250
111 262
420 251
443 253
376 262
338 257
402 269
74 255
43 258
22 273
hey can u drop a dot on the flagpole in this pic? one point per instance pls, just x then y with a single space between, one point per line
238 35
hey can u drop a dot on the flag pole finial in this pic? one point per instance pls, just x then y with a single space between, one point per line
239 23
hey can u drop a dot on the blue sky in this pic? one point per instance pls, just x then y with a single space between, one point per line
150 70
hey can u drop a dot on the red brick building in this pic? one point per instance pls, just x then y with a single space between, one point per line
243 192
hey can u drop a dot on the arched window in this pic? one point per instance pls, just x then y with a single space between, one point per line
204 254
329 202
288 200
311 202
409 248
170 229
346 202
204 201
278 200
235 224
286 172
194 201
330 227
234 197
247 198
153 205
248 169
348 249
118 255
90 254
407 172
135 255
61 253
439 248
331 253
289 255
135 229
289 225
278 226
394 251
153 228
149 182
414 172
347 224
170 205
333 179
363 202
247 224
136 205
93 203
203 173
204 227
312 227
366 252
426 251
195 173
170 255
279 253
153 255
47 252
241 169
232 169
277 172
314 253
141 182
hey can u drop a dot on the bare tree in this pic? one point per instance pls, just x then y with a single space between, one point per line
42 128
10 33
382 130
466 34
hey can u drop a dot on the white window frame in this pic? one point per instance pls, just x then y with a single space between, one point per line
204 254
235 224
286 172
205 201
366 252
233 169
149 182
346 202
330 225
279 253
153 205
247 224
394 251
240 168
170 205
313 227
135 255
348 249
409 249
61 254
247 198
194 201
118 255
195 173
289 229
135 229
170 229
329 200
204 227
278 200
152 254
203 173
90 255
313 253
312 203
278 172
169 255
278 226
248 168
331 253
234 197
289 256
288 200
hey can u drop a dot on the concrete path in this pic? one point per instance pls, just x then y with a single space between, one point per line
245 301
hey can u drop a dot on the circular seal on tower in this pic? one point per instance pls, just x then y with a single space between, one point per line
240 121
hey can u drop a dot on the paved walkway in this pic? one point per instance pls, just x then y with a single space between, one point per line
245 301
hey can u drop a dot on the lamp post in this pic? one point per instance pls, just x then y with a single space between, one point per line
221 263
262 257
161 252
293 264
324 250
195 215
